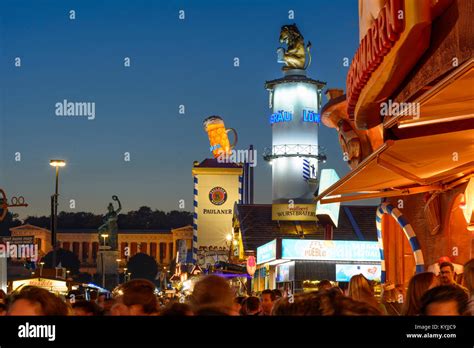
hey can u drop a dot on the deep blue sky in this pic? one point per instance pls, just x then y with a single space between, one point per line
174 62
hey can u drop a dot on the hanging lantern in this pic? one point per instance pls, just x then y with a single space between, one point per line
251 265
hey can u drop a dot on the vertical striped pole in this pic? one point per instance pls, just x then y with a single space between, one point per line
240 189
386 208
195 218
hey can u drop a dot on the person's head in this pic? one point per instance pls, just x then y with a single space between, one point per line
237 306
2 296
324 285
469 276
101 298
32 300
418 285
278 294
139 296
177 309
93 295
446 273
3 309
85 308
359 288
107 305
268 297
212 294
444 300
322 303
253 305
118 309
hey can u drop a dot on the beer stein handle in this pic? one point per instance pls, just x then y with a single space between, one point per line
235 137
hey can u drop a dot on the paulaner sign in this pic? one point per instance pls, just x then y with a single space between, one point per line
217 211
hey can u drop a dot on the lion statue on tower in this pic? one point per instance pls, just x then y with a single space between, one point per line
294 56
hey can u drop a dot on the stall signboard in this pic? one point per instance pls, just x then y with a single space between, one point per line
330 250
344 273
267 252
294 212
18 240
48 284
328 177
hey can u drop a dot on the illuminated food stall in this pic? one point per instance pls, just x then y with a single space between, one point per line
299 264
57 286
406 125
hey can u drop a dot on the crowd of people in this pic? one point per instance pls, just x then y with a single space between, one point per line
427 294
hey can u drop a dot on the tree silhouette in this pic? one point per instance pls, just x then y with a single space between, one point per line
67 258
144 219
142 266
9 222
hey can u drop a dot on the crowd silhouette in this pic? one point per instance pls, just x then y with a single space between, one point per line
427 295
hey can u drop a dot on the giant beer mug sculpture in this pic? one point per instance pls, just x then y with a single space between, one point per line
218 139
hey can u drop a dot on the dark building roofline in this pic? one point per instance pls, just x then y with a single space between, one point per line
213 163
119 231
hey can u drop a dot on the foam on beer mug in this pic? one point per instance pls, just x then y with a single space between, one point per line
215 128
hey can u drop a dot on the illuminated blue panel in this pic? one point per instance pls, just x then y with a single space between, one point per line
327 178
266 252
344 273
330 250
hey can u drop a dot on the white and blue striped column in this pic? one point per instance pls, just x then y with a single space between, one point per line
386 208
195 221
240 189
306 172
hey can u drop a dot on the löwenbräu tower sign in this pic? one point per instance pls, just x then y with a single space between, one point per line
295 101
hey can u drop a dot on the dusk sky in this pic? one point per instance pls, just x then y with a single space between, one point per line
174 62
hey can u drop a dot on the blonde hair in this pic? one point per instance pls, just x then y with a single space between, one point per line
419 284
361 290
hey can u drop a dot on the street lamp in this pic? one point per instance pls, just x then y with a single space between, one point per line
41 269
102 258
104 236
229 238
56 163
118 271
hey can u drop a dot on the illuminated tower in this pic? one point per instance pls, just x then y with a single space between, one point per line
295 101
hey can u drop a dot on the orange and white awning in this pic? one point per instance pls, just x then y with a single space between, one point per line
409 166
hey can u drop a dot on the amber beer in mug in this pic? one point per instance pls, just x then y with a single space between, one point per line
217 133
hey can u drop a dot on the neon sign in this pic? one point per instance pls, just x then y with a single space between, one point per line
281 116
287 116
311 116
